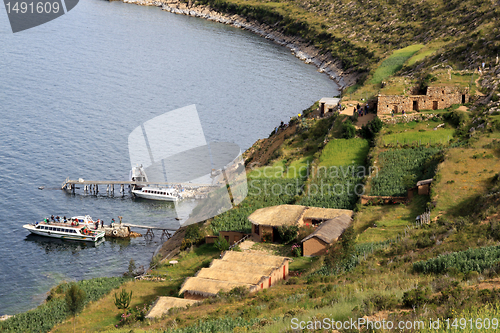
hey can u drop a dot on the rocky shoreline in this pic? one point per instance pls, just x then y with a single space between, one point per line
301 49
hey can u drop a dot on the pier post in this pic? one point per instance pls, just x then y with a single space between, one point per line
73 188
96 189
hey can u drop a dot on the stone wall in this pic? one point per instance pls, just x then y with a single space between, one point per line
388 103
436 98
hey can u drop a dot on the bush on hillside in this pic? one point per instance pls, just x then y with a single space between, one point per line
288 233
369 130
348 130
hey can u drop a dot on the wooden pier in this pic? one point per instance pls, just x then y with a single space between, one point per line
92 186
149 233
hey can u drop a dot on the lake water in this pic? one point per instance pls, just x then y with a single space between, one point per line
72 90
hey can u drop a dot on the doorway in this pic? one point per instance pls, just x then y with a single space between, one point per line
415 105
434 105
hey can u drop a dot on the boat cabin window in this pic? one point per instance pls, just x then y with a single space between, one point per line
58 229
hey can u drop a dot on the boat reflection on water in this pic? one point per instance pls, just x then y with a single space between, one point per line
60 245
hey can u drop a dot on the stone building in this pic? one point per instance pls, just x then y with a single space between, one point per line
439 97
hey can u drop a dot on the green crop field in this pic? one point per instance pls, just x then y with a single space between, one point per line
465 261
341 152
394 63
439 136
400 169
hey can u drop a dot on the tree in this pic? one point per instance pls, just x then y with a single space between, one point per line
348 242
122 301
75 300
343 249
221 244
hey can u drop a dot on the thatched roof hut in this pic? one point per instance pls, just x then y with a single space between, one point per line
230 275
331 230
254 258
276 216
264 270
324 214
209 287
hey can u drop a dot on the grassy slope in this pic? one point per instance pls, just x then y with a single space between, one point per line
464 175
360 33
104 314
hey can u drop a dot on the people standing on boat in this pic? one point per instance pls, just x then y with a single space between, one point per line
58 219
102 223
52 218
96 224
64 219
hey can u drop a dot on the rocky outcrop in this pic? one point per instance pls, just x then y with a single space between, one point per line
117 231
300 48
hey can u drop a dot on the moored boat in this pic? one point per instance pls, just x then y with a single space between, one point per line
158 193
63 230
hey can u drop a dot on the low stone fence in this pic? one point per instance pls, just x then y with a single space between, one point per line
382 200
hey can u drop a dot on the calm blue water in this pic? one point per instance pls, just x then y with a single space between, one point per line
73 89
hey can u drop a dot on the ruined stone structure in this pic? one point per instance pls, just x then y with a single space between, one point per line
439 97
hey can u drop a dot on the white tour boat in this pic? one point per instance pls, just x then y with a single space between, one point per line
157 193
72 231
138 174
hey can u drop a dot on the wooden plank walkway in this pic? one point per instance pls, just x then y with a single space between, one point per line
145 227
149 233
122 182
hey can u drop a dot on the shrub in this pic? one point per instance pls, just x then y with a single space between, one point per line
348 130
416 297
377 302
193 236
221 244
75 300
292 280
305 231
369 130
288 233
456 118
296 250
